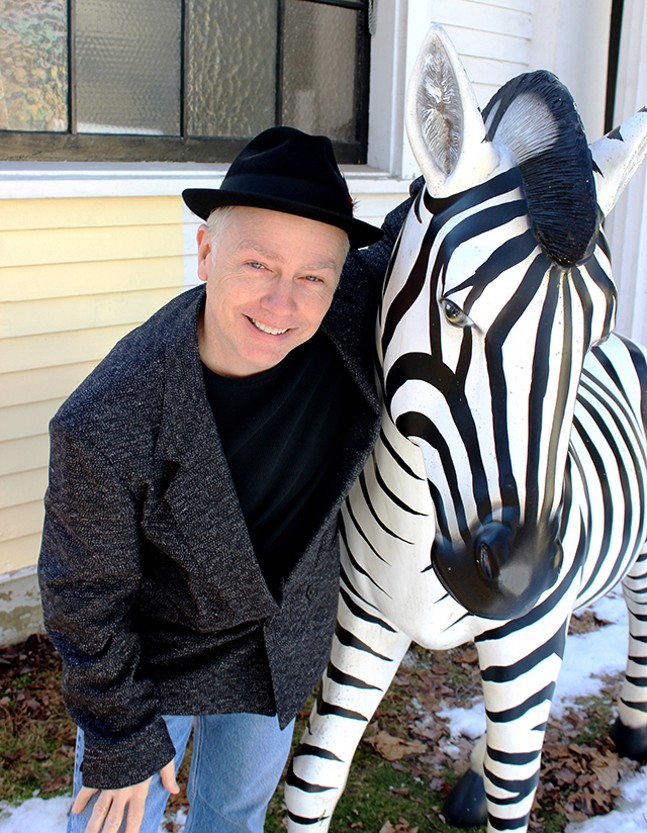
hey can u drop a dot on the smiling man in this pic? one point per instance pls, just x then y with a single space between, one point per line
189 564
270 278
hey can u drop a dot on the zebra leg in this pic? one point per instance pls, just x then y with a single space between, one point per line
518 687
366 653
629 732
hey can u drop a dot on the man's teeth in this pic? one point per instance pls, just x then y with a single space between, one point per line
273 331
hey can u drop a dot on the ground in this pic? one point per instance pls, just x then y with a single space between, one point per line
404 767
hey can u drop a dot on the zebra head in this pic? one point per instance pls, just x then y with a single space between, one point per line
498 287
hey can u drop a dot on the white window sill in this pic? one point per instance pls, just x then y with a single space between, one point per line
38 180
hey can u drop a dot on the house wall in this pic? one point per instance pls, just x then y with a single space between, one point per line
76 274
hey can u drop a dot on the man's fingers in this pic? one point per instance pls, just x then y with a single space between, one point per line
112 807
167 775
84 795
102 812
135 814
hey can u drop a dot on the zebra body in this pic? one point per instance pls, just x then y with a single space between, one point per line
508 483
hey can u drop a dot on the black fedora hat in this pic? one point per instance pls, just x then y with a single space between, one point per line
284 169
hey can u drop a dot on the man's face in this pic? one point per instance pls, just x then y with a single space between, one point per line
270 280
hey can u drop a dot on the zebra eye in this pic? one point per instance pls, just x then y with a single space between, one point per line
455 315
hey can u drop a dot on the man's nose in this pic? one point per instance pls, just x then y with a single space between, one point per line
280 295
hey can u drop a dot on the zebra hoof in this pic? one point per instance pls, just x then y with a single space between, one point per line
630 743
466 804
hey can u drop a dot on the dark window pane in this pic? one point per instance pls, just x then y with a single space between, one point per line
33 65
231 76
320 55
128 62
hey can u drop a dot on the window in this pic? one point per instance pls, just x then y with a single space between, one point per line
179 80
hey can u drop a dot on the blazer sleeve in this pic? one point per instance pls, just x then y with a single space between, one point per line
89 573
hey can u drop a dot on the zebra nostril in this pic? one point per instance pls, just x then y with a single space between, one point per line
485 561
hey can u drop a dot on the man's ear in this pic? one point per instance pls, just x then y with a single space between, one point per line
204 251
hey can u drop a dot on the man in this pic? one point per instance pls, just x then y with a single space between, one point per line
189 565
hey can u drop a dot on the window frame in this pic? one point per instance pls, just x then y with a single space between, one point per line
71 146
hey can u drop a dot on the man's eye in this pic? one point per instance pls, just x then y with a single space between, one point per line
313 278
255 264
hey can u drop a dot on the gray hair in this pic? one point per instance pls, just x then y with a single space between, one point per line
217 219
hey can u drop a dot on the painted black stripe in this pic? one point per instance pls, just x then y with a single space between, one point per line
351 641
508 255
602 426
616 402
356 610
513 758
454 204
521 786
372 510
494 343
598 465
635 704
424 367
324 708
390 494
564 385
359 569
293 780
306 821
486 220
397 458
540 374
551 647
414 424
358 528
411 289
606 284
518 711
441 516
316 752
512 251
508 824
639 682
638 361
581 288
338 676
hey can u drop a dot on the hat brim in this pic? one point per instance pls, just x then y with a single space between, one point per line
202 202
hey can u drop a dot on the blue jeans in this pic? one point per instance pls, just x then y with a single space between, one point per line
236 765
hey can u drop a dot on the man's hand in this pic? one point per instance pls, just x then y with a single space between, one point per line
113 805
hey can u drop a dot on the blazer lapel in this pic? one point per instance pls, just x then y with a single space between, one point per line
201 497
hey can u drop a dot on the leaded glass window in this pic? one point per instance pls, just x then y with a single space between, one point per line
178 79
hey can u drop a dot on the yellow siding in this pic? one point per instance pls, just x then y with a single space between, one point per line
51 349
75 276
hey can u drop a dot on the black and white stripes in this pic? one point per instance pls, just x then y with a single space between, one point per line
508 483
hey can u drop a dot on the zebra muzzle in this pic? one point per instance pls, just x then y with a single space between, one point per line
500 572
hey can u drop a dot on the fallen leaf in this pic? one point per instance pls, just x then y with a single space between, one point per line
393 748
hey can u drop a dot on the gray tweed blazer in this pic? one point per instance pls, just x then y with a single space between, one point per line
151 589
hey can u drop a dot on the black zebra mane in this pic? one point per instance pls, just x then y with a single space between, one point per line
535 116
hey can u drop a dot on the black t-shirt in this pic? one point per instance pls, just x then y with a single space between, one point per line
280 431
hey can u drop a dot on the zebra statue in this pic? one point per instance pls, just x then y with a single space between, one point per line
508 484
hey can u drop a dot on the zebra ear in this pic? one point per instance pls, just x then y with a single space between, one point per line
443 121
616 158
